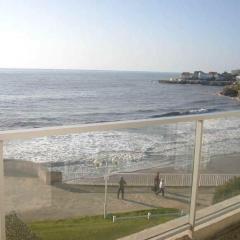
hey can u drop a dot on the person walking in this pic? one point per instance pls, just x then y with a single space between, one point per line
156 183
161 187
122 184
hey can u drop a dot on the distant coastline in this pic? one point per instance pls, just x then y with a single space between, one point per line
196 81
230 81
210 79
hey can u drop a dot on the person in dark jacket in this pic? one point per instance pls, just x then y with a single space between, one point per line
156 183
122 184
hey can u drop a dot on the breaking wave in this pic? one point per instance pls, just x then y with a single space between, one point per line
188 112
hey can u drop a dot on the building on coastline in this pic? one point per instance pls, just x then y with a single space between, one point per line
236 72
213 74
195 74
204 76
186 76
216 76
238 79
200 75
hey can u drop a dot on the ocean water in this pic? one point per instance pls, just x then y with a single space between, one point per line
40 98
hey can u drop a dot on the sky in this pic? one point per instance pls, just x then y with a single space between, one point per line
139 35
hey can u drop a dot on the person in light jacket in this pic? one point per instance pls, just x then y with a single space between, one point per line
161 187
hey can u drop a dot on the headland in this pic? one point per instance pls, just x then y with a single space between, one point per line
230 81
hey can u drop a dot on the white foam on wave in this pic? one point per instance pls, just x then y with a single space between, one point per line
160 144
95 148
201 110
221 137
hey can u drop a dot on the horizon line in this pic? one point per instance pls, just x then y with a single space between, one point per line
81 69
100 70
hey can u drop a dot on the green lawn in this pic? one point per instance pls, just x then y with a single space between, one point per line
97 228
228 190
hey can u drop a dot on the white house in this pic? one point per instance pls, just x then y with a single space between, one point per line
195 74
204 76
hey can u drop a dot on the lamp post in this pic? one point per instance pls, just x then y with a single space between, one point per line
106 178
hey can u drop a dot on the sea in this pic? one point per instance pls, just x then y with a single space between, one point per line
32 98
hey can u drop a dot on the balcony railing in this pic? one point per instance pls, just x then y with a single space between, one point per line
193 179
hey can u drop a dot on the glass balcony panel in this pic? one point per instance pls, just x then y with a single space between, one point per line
220 167
60 182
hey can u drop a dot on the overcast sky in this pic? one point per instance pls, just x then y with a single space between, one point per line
152 35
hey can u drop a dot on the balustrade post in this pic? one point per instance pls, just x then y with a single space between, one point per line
195 172
106 177
2 205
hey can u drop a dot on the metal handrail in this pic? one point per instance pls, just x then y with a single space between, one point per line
98 127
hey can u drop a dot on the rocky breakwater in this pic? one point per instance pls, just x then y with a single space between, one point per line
232 91
197 81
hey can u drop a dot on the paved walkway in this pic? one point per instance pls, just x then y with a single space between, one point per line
34 200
